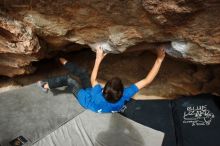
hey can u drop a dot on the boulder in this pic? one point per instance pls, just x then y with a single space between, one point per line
33 30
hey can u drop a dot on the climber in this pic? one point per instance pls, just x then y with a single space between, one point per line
90 93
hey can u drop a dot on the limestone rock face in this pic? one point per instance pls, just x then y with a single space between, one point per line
18 47
32 30
181 49
17 38
162 11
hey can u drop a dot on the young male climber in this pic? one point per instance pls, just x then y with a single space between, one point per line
90 94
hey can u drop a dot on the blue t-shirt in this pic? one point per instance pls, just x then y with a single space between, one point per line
92 98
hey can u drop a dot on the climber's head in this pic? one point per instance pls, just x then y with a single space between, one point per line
113 90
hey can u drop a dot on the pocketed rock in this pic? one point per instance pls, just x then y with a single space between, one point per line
40 28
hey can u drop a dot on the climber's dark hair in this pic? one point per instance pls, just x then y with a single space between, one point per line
113 90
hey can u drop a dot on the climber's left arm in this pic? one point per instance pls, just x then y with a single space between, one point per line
154 71
99 57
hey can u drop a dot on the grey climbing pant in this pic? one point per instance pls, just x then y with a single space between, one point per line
67 80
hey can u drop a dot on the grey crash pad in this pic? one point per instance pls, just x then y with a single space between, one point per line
93 129
29 112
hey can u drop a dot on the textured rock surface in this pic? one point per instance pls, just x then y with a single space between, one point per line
37 29
18 47
162 10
